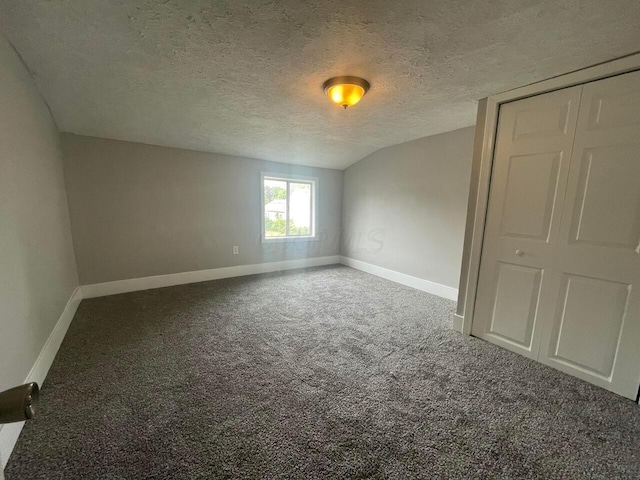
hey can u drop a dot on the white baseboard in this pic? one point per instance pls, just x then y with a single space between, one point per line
169 280
10 432
414 282
458 320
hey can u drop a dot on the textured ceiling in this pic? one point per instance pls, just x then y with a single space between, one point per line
244 78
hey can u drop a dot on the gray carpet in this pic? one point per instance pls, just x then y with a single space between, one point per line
320 373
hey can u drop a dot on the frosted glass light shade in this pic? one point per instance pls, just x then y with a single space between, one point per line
346 91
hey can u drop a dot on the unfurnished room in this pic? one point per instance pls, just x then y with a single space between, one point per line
326 239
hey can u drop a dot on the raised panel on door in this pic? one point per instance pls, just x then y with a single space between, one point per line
613 109
515 308
595 332
594 305
542 119
529 175
531 187
607 209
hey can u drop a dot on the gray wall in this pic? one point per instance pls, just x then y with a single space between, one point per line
139 210
37 266
404 207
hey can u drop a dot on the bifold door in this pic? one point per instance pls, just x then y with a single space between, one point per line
560 269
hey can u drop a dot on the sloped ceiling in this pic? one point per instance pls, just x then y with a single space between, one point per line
244 78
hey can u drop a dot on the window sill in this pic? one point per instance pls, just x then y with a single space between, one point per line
289 239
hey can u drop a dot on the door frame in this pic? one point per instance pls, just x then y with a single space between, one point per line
482 162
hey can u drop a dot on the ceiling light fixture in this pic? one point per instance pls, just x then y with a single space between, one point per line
346 91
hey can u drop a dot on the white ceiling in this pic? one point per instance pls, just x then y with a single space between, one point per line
244 78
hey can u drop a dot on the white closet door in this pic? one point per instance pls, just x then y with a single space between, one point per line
531 164
594 329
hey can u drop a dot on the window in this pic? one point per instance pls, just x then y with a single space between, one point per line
288 207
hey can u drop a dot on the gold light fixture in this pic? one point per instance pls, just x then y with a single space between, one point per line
346 91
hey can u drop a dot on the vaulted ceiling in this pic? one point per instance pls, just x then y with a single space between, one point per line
244 78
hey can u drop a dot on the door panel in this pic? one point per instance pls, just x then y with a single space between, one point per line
595 306
542 121
609 110
516 302
609 177
529 176
595 332
532 183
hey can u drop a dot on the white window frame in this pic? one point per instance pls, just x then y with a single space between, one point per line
290 178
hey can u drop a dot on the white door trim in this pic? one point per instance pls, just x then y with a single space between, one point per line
486 129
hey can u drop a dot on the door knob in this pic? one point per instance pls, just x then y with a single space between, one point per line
519 252
19 403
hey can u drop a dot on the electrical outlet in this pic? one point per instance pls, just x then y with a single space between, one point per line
235 249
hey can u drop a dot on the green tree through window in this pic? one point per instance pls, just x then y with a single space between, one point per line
292 216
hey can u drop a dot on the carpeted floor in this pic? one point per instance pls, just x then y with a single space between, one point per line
321 373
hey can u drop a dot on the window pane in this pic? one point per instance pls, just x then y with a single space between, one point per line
275 208
299 209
